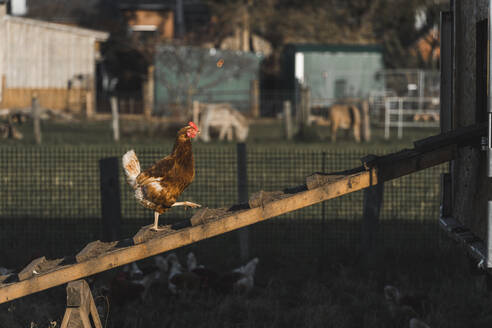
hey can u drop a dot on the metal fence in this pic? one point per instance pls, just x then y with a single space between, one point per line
50 200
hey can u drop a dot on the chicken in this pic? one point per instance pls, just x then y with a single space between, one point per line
5 271
208 278
411 302
179 279
159 186
240 280
131 284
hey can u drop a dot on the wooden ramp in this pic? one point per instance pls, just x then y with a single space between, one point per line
98 256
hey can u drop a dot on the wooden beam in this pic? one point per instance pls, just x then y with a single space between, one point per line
410 161
212 222
232 221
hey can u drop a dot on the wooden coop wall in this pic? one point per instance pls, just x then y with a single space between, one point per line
469 170
57 63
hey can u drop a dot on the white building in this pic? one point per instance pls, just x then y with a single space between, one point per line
55 62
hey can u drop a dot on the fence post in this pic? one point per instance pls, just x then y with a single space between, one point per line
35 114
305 106
115 118
110 198
242 191
288 119
323 221
196 112
373 199
148 98
366 124
255 98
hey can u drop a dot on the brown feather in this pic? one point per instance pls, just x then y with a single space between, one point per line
163 182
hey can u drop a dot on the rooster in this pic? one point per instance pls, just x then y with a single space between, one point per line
159 186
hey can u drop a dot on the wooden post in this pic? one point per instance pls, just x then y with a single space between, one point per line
446 196
373 199
149 92
303 115
305 106
110 198
288 120
115 117
89 105
322 259
446 62
366 123
196 112
36 119
80 304
242 190
255 98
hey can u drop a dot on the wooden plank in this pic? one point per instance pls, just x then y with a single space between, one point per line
473 245
93 249
186 236
446 63
316 180
206 214
261 198
446 195
407 162
78 294
462 136
31 269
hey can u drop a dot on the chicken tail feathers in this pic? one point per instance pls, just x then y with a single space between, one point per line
131 165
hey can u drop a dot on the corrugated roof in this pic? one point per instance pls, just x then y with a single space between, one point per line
98 35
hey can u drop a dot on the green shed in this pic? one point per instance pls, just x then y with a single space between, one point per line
183 74
333 72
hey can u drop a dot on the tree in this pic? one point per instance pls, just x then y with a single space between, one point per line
391 23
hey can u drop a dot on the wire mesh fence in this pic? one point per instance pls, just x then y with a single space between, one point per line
51 203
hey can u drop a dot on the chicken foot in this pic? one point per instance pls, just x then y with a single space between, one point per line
155 227
189 204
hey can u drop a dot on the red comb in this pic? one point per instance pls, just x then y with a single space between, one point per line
193 125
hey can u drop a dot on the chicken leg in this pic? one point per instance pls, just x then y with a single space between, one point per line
189 204
155 227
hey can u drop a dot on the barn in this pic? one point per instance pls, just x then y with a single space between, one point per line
332 71
55 62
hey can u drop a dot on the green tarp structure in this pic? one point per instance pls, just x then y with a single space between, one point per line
185 73
333 72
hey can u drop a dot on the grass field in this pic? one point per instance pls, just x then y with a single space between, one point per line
141 133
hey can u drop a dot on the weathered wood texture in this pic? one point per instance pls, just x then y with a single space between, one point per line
36 120
80 305
231 220
43 56
470 168
288 128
